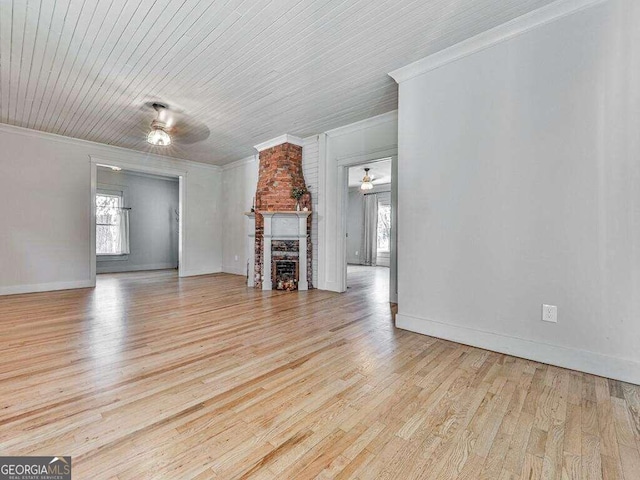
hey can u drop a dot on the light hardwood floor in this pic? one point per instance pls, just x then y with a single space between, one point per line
149 376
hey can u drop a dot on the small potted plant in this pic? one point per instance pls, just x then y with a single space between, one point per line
297 193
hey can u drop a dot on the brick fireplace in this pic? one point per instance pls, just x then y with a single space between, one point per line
282 235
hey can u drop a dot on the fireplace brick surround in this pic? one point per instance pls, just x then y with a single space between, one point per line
280 171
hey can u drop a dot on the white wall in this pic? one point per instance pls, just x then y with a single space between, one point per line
45 183
239 182
153 232
354 144
203 220
519 184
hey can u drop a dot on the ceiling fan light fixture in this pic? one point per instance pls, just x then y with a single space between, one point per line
366 181
158 135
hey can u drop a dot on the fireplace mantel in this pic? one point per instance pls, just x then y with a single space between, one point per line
298 213
284 225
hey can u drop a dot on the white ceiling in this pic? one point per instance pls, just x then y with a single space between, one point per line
241 72
380 171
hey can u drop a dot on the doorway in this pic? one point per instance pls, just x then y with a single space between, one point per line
136 218
369 226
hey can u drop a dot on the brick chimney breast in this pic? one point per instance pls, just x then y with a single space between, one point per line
280 171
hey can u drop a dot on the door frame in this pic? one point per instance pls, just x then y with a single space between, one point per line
343 194
181 175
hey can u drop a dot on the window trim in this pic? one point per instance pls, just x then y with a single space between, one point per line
104 189
384 202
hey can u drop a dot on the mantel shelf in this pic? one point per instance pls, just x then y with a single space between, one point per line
296 213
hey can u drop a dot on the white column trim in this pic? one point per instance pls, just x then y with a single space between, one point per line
303 283
266 251
251 248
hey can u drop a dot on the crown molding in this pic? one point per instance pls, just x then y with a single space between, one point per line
28 132
240 163
274 142
494 36
391 116
310 140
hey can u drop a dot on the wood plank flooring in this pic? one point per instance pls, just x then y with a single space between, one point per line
151 376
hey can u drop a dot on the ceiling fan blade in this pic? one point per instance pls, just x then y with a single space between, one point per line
189 131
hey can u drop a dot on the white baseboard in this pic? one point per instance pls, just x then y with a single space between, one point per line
330 287
581 360
203 271
134 268
234 270
45 287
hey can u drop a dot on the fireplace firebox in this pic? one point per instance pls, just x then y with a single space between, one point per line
285 275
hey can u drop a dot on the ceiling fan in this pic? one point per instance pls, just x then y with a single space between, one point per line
162 126
367 181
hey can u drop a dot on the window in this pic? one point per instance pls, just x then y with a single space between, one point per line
384 227
112 225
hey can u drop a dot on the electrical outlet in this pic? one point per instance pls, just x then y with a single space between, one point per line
236 258
356 253
550 313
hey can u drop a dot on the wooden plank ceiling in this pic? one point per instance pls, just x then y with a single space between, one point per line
235 72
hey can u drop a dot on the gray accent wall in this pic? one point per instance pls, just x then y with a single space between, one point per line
355 220
153 222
